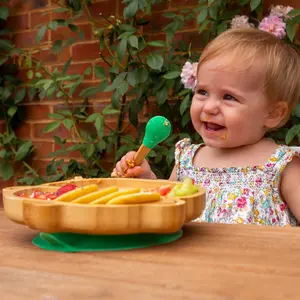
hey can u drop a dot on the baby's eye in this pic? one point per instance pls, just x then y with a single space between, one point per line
202 92
229 97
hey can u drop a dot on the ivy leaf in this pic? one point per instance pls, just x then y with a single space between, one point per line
57 46
100 72
115 99
133 41
20 95
157 44
40 34
172 75
254 4
290 30
23 151
92 117
123 88
29 74
12 110
292 133
131 78
122 48
184 104
6 170
68 123
131 9
221 28
88 71
202 15
213 11
4 13
161 95
51 126
155 61
99 124
90 150
109 111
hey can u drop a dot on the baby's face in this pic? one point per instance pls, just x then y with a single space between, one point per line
229 108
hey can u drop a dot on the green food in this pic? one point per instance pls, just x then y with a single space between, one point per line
185 188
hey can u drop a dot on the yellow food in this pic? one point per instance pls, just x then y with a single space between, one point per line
105 199
135 198
70 196
95 195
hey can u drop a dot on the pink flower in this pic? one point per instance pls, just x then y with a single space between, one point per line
282 206
281 11
241 22
241 202
274 25
189 75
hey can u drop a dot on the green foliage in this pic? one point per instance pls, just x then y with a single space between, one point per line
139 70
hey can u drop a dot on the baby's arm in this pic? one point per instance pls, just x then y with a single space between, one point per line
173 174
290 186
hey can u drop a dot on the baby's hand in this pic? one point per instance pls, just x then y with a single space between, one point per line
126 168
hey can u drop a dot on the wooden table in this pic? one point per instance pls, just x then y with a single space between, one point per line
210 261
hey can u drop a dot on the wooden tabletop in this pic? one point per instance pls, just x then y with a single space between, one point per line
210 261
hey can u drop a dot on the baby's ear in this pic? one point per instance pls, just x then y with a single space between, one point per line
276 115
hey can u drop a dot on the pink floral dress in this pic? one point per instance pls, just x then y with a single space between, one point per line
248 195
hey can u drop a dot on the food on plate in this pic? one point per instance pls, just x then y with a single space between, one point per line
186 188
78 192
105 199
66 188
95 195
135 198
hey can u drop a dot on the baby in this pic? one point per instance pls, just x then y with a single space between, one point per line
248 82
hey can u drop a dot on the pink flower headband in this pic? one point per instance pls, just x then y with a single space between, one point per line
274 23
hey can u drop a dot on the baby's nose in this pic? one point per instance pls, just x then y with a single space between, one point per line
211 106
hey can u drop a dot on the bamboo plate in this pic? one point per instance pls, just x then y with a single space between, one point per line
48 216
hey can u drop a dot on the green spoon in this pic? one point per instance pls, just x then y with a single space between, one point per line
157 130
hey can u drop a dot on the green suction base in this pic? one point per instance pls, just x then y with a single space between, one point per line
72 242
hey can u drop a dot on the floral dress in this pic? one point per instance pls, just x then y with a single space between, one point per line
248 195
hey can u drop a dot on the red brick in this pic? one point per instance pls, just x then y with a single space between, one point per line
72 106
180 3
27 39
86 51
28 5
23 131
38 132
64 33
48 56
161 6
19 22
39 18
42 149
40 166
105 7
36 111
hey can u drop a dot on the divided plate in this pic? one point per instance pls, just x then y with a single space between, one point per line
52 216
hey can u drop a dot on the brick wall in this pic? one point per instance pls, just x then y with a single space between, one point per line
27 14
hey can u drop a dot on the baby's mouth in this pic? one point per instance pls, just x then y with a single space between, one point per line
213 126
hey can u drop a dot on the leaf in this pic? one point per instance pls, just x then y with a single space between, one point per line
290 30
294 12
88 71
90 91
92 117
155 61
133 41
202 15
99 124
57 46
40 34
131 78
61 9
90 150
157 44
20 95
292 133
122 48
115 99
53 25
51 126
66 66
213 11
12 110
68 123
3 59
221 28
115 84
185 104
6 170
56 116
32 92
169 15
73 27
4 12
185 119
23 151
100 72
123 88
109 111
29 74
254 4
203 26
172 75
161 95
142 75
2 153
77 147
131 9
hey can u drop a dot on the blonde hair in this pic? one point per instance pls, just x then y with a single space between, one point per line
281 62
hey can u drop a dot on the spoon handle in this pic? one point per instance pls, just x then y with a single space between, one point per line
140 155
